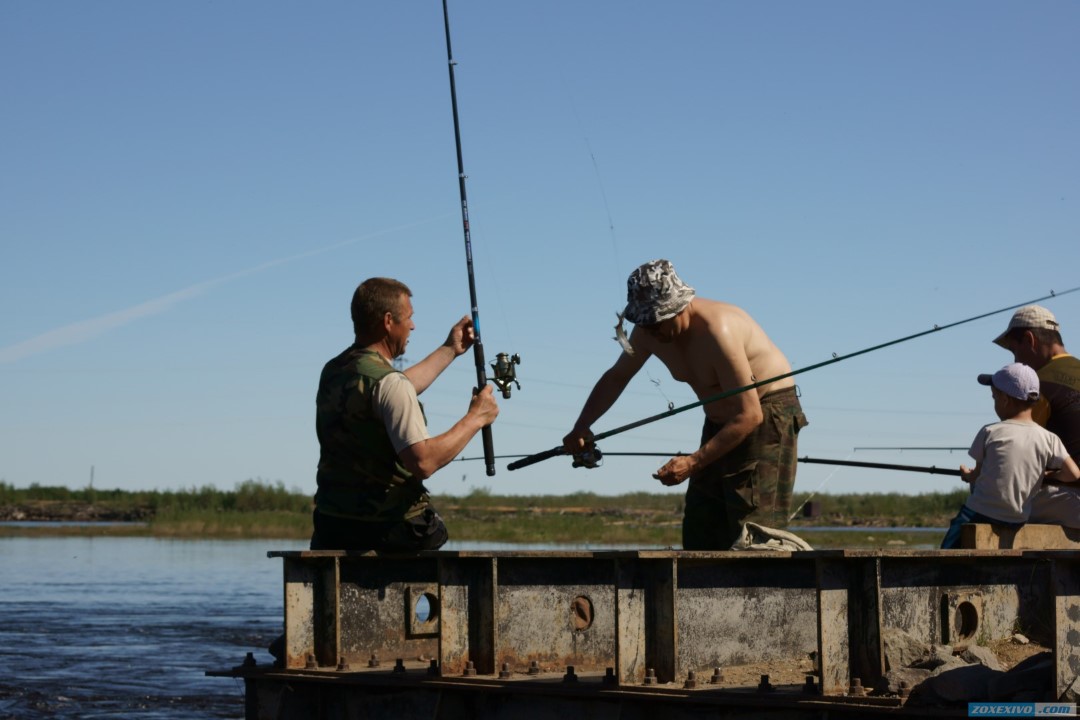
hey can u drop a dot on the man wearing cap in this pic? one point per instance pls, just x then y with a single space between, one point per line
745 466
1012 457
1034 338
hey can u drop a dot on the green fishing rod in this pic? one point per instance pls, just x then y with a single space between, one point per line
553 452
597 456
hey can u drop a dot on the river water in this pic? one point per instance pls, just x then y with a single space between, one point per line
127 627
120 627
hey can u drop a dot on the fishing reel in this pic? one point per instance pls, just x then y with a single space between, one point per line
588 458
505 372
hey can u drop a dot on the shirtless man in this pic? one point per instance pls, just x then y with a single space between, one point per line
745 466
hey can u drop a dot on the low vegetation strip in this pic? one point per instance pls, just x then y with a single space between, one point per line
258 509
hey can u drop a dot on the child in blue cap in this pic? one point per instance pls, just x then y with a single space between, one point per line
1012 457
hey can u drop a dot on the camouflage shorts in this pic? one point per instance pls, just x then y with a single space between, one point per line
752 482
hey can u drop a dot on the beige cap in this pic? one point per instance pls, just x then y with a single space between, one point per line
1029 316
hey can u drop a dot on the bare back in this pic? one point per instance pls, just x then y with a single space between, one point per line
718 347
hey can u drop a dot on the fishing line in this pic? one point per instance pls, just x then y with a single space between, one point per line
660 390
834 359
815 490
596 170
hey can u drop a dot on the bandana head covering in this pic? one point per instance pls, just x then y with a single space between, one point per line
655 293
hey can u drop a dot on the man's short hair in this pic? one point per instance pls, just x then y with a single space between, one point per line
1044 336
373 299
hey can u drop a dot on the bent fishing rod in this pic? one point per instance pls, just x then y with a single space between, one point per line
553 452
504 365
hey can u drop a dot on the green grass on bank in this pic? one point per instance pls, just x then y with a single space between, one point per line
257 509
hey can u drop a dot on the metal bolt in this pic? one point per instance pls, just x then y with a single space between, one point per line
905 688
609 677
717 676
856 689
374 661
650 676
505 672
470 669
765 685
433 668
810 686
691 680
399 666
310 664
342 663
569 677
534 668
249 660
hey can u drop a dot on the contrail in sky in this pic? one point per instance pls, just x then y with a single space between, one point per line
88 329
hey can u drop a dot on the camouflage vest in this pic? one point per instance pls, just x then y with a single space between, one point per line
359 474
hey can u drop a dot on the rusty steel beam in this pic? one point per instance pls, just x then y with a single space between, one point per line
654 620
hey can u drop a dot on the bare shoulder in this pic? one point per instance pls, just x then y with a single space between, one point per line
724 319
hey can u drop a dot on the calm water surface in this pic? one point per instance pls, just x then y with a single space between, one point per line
127 627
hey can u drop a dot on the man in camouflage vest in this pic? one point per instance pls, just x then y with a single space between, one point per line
374 447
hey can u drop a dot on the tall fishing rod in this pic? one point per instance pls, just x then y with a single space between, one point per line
553 452
504 365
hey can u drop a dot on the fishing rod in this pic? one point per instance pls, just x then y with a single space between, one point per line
597 455
553 452
903 448
504 363
884 466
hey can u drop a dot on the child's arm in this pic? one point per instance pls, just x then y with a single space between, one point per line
1068 472
970 475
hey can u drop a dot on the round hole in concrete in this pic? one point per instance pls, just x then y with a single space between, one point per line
966 620
426 608
581 613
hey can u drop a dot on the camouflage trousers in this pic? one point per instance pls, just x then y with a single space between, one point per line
752 482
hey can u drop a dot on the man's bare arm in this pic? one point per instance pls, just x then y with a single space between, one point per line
460 339
422 459
604 394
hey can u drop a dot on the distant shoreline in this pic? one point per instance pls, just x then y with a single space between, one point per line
256 510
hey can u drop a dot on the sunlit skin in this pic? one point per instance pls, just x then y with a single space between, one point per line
1026 348
713 347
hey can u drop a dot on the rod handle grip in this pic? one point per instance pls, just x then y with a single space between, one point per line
489 449
533 459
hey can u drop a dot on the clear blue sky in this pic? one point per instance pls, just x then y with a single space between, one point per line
190 192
